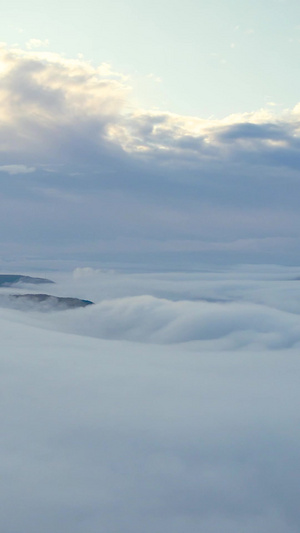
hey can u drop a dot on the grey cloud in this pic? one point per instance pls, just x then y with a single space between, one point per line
254 131
191 142
28 93
122 172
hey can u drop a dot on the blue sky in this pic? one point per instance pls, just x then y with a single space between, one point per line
193 57
144 127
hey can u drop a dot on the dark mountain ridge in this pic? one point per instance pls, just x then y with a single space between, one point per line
7 280
39 302
47 302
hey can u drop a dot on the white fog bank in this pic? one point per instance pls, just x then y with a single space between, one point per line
120 437
232 309
193 427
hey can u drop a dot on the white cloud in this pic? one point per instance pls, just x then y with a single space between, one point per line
214 325
37 43
112 434
87 272
225 311
148 176
17 169
155 78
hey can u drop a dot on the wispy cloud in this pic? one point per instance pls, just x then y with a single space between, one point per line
16 169
37 43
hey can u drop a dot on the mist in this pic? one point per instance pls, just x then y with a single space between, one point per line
171 404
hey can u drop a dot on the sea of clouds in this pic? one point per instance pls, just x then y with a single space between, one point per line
240 308
172 404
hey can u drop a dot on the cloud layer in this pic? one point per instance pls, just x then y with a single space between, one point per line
84 169
231 310
121 436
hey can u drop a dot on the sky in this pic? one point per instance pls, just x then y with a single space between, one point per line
195 57
151 128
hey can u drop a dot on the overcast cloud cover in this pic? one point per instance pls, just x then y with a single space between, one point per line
84 170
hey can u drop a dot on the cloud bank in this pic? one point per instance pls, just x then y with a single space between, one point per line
93 173
231 310
129 436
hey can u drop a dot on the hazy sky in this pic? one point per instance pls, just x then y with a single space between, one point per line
193 57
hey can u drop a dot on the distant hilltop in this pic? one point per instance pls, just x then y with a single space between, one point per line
47 302
39 302
7 280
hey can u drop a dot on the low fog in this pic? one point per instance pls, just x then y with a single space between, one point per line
238 308
171 404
